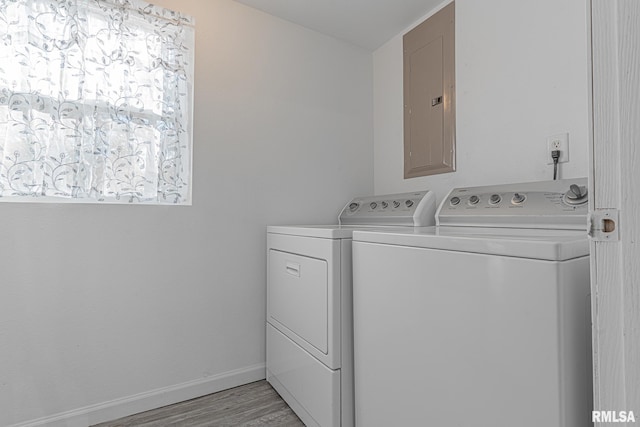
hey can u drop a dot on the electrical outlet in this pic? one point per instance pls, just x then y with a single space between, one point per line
558 142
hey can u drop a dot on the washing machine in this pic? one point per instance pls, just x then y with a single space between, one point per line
309 304
481 321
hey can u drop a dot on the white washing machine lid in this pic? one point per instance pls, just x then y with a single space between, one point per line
552 245
326 231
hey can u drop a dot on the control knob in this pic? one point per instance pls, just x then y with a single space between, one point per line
495 199
518 198
384 205
409 203
354 206
455 200
396 204
576 195
373 205
474 200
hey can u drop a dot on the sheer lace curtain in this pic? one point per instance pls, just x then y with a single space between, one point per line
96 101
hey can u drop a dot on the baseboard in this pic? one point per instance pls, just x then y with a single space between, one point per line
153 399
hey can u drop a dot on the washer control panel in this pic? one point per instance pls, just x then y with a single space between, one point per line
412 209
545 204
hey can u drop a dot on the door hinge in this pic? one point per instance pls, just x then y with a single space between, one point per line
603 225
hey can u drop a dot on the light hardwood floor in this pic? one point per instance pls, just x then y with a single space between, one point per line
251 405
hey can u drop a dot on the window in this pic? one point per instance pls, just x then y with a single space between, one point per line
96 101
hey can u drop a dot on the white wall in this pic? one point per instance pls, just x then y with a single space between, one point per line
521 76
130 307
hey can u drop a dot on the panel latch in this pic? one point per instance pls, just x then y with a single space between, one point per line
603 225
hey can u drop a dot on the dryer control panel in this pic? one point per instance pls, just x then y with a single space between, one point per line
559 204
415 209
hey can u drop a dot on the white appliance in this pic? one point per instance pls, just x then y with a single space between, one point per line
309 304
482 321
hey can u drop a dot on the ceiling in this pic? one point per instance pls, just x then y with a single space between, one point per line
365 23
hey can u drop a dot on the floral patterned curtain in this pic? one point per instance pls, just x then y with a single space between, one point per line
96 101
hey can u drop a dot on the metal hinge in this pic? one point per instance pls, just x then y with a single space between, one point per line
603 225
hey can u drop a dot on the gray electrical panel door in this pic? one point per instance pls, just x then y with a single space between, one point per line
429 95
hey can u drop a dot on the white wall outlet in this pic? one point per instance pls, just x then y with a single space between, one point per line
558 142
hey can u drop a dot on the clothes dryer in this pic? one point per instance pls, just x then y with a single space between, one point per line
482 321
309 304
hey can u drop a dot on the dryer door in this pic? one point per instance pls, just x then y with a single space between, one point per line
304 293
298 296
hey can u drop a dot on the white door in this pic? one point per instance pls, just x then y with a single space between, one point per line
615 166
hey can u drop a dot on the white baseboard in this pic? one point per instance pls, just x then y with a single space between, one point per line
153 399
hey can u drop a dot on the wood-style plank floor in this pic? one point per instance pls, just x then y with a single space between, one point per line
251 405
